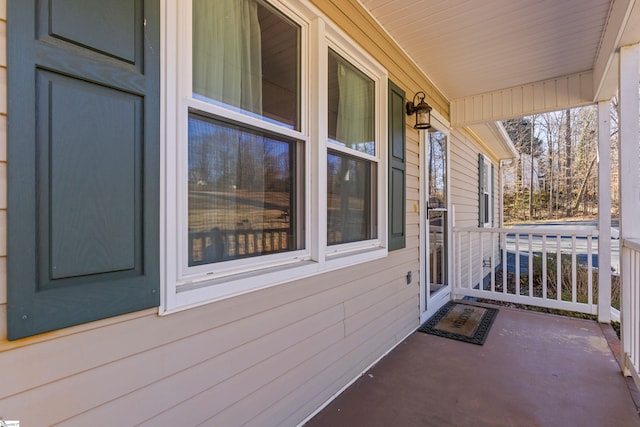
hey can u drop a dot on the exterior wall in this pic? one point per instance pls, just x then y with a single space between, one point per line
465 199
269 357
464 178
3 165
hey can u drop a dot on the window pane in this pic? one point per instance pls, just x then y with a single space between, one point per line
247 55
437 158
351 214
351 106
241 194
487 217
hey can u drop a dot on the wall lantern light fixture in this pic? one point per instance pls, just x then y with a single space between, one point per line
422 110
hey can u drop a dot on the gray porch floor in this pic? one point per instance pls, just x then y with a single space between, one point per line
533 370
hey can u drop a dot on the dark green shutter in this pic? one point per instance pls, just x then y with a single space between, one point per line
83 159
397 168
481 185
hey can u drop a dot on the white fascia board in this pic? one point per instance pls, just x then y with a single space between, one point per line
494 138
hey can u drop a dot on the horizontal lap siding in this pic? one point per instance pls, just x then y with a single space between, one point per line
270 357
413 195
465 198
230 362
464 179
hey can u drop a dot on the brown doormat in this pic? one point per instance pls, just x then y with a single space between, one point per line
462 322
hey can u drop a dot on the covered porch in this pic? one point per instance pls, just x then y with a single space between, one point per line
534 369
493 61
499 60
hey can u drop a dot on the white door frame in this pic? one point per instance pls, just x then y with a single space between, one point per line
428 304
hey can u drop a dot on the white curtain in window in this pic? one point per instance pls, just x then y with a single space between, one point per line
354 128
227 57
354 125
227 67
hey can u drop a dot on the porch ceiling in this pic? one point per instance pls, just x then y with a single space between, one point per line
470 48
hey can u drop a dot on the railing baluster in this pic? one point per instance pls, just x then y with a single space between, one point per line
628 320
589 271
530 264
544 266
504 249
491 262
517 272
635 267
470 263
574 270
457 239
481 248
635 344
559 267
504 264
636 299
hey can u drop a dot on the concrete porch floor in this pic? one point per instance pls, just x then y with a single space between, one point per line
533 370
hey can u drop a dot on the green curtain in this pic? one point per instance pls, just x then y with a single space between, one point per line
354 125
227 67
354 129
227 52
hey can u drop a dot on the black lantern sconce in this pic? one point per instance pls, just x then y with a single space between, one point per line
422 110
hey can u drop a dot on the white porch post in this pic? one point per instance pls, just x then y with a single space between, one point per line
629 183
604 213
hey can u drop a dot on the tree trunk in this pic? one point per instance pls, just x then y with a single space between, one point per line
533 119
568 181
583 187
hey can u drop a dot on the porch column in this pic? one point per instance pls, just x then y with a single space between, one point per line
629 191
604 213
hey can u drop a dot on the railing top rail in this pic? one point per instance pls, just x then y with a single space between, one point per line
632 244
550 231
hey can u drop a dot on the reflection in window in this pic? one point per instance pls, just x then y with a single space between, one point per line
350 199
437 216
241 193
246 55
351 106
485 183
437 158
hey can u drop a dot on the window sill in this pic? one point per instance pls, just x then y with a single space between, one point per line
197 293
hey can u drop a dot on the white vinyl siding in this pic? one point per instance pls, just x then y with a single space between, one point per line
464 198
265 358
268 357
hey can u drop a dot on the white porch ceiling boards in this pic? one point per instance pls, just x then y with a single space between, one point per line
477 52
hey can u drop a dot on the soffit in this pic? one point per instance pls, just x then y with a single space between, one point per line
471 47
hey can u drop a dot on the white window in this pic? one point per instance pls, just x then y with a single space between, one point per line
351 154
486 189
244 177
265 182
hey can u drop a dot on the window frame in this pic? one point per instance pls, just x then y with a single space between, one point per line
184 286
347 50
486 184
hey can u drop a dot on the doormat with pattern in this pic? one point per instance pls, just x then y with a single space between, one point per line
462 322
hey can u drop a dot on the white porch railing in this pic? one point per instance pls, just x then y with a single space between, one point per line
630 263
552 268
